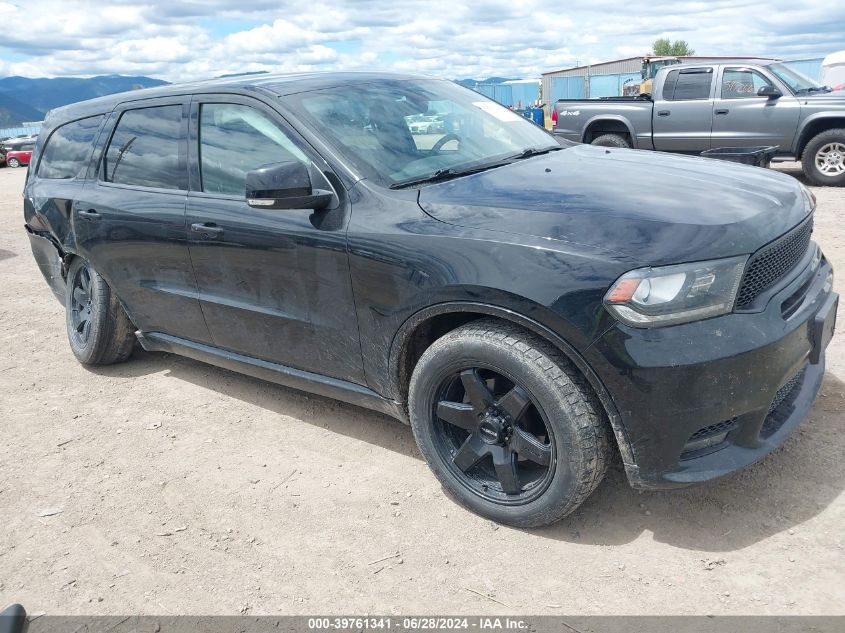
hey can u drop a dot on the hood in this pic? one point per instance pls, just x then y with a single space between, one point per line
835 98
631 205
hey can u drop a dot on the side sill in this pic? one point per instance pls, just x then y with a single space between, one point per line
273 372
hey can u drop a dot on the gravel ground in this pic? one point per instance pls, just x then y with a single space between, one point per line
166 486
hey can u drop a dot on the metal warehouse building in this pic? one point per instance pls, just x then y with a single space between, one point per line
606 79
516 93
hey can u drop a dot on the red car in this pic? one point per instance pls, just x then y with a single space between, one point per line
20 156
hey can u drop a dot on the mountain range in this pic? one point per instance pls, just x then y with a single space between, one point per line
27 99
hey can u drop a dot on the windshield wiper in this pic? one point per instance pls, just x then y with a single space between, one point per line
445 174
449 172
814 89
533 151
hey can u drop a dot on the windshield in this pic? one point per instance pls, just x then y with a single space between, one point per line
402 131
792 78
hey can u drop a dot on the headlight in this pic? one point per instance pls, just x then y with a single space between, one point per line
653 297
809 199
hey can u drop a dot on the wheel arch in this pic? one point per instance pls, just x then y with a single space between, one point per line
424 327
604 124
814 125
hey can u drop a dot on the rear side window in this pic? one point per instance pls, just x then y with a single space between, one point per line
145 149
68 149
235 139
688 85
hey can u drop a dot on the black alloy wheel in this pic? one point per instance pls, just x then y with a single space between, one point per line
81 306
493 436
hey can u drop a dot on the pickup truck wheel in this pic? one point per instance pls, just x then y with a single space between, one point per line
98 329
14 162
507 424
611 140
823 160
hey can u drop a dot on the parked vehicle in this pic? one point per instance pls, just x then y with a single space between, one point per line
530 309
432 124
19 157
833 70
695 107
649 70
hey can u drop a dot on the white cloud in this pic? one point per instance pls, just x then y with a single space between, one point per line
187 39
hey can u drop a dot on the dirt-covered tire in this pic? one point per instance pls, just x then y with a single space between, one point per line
490 451
823 160
98 329
13 162
611 140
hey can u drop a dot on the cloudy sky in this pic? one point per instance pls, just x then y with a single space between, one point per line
188 39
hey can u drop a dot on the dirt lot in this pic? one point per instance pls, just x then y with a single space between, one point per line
175 487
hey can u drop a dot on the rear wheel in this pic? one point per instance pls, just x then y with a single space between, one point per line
98 329
13 162
507 424
611 140
823 160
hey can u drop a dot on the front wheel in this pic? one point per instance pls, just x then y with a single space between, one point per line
507 424
13 162
823 160
98 329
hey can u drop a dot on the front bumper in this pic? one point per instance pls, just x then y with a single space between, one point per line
700 400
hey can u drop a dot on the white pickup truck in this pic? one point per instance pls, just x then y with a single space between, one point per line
696 107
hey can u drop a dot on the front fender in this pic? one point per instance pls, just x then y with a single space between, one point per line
815 123
400 345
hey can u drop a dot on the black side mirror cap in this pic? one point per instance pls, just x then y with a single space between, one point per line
288 185
769 91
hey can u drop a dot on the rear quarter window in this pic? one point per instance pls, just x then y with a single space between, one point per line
68 150
145 149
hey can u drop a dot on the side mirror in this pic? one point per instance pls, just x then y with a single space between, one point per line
769 91
287 186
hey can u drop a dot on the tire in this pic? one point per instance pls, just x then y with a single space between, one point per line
98 329
548 478
13 162
828 145
611 140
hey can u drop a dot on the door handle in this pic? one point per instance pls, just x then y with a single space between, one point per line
207 230
663 113
722 111
90 214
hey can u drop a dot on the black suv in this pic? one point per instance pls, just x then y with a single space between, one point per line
530 309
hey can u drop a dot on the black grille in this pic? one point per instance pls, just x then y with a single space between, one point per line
708 439
783 393
784 396
772 262
713 429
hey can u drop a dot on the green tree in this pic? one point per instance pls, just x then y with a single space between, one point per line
664 47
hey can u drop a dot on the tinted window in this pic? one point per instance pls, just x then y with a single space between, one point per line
689 85
396 132
69 148
669 85
235 139
144 149
741 83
